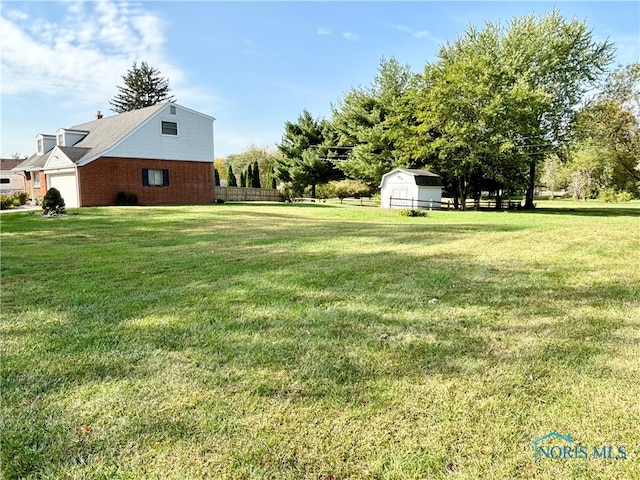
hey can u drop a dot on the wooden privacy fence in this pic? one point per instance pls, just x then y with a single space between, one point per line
240 194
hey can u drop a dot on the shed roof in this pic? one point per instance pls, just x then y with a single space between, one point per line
423 178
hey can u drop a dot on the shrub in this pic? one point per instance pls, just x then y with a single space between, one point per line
21 197
6 201
412 212
324 191
127 198
53 203
609 195
348 188
13 200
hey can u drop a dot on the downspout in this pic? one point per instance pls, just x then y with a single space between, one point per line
213 146
78 191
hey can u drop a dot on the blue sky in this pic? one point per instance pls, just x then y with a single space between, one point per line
251 65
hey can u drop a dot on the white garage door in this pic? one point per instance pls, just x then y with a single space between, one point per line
66 185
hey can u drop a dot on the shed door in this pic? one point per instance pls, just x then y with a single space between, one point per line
399 197
66 184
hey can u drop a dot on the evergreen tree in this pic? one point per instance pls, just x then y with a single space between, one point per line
306 148
53 203
248 176
143 87
255 177
243 179
231 178
217 176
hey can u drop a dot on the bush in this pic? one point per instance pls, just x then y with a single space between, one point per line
127 198
14 200
609 195
412 212
21 197
53 203
348 188
6 201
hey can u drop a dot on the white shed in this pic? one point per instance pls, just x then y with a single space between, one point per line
410 188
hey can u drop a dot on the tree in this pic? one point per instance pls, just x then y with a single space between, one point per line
216 176
608 130
231 178
255 175
561 60
502 99
243 179
53 203
552 174
305 149
265 156
364 120
222 167
143 87
248 176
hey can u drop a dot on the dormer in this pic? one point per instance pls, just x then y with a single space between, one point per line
68 138
44 143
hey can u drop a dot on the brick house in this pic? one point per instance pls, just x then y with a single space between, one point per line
163 154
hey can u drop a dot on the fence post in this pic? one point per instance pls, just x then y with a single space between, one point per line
412 203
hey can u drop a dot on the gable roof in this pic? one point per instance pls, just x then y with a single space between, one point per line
102 135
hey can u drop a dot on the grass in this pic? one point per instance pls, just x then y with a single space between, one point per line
318 341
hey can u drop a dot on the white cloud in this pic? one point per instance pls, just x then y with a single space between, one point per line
402 28
426 34
352 37
82 56
323 31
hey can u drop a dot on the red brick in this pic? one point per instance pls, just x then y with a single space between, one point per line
189 182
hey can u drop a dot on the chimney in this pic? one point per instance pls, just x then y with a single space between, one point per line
98 115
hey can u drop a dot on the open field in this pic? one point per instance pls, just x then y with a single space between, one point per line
319 341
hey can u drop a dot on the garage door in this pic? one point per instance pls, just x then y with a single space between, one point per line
66 185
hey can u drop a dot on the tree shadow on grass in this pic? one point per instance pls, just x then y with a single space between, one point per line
330 328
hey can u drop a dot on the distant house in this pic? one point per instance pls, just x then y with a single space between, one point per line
162 153
410 188
11 181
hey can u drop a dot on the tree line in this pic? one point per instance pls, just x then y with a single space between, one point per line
489 115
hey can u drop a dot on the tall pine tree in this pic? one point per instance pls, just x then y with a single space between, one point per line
143 87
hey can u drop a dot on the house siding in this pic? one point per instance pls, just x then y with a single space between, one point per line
194 141
190 182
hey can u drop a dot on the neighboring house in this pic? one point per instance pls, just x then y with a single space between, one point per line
410 188
11 181
162 153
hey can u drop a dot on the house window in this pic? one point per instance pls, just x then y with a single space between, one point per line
157 177
35 176
40 149
60 139
172 109
169 128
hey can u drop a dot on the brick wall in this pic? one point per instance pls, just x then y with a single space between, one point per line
38 192
189 182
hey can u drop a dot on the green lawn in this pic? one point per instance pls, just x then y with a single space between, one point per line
319 341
